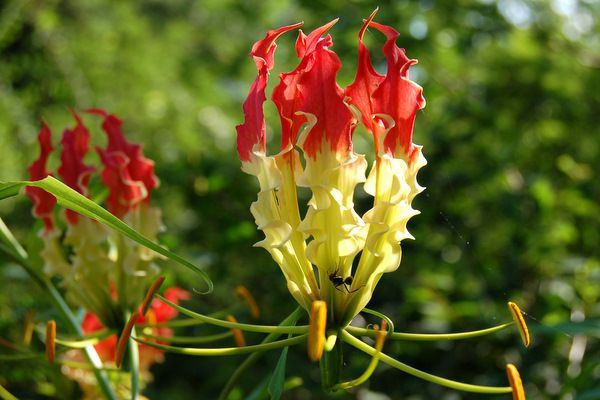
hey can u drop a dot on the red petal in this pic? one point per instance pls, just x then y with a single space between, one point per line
43 202
312 88
397 96
252 131
73 171
367 80
106 347
164 312
128 175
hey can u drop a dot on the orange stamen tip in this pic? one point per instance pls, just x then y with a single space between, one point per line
238 335
150 294
245 294
316 330
515 382
124 338
517 316
51 341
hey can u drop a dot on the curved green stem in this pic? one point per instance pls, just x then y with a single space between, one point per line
252 358
387 319
426 337
184 339
231 325
226 351
362 378
465 387
11 247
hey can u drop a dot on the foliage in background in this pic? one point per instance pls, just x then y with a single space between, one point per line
511 210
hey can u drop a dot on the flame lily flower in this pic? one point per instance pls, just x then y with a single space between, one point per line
317 119
102 270
317 252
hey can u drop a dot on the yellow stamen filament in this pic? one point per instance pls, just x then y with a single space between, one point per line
517 316
150 294
515 382
238 336
51 341
245 294
316 330
124 338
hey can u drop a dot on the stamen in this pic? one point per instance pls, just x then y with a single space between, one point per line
238 336
517 315
245 294
316 330
515 382
124 338
50 341
150 294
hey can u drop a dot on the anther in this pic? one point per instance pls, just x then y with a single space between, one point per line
515 382
124 338
517 316
245 294
316 330
238 335
51 341
150 294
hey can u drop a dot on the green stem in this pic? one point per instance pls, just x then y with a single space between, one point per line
179 323
426 337
6 395
230 325
19 255
361 379
134 366
226 351
465 387
185 339
252 358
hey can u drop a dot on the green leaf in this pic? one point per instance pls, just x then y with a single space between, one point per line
278 378
73 200
259 392
9 189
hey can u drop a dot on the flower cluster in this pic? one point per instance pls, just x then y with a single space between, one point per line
318 117
101 271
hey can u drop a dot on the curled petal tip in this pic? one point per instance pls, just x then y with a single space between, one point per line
515 382
517 316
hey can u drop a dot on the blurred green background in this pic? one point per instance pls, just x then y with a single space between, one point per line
511 209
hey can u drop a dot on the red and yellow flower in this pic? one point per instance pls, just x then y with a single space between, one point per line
318 119
101 269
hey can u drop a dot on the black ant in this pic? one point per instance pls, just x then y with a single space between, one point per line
338 281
